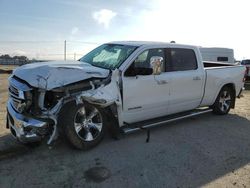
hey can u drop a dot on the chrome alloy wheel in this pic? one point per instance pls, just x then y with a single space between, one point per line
225 101
88 123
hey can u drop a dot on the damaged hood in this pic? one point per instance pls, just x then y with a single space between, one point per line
49 75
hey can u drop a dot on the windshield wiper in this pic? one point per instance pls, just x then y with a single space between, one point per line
99 66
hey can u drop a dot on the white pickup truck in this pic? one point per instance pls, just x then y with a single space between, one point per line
119 86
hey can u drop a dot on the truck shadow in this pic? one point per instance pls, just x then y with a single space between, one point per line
247 85
188 153
206 148
9 148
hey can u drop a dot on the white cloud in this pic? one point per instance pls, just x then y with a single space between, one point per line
183 22
74 30
18 52
104 16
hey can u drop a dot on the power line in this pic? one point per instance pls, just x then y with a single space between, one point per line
42 54
84 42
13 41
41 41
63 54
57 42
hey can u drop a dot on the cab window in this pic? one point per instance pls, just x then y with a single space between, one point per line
143 62
182 60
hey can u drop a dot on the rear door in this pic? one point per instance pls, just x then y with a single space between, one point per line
187 80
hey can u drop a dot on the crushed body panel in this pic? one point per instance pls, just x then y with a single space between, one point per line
49 75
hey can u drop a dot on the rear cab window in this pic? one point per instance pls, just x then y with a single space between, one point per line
223 59
181 59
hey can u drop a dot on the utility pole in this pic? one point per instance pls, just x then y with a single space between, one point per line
74 56
65 50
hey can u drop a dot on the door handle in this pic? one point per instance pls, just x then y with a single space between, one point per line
196 78
161 82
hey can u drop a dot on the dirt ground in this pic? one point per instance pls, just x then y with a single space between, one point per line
204 151
3 99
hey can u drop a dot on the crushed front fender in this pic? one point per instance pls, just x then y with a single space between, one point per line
105 95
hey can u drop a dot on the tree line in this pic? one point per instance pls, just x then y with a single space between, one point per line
21 58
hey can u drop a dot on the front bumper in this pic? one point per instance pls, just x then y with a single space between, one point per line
25 129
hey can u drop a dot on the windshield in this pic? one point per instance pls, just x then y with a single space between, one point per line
245 62
108 56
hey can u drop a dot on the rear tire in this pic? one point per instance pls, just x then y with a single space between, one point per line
223 101
83 125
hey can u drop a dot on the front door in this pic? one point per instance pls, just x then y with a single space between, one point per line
145 95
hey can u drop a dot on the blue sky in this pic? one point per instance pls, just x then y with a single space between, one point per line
37 28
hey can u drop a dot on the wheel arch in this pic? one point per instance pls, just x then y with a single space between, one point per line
110 113
113 123
232 87
66 119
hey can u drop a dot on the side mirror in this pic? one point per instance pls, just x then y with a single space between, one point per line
156 63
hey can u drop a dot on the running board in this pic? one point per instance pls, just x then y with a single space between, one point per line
130 128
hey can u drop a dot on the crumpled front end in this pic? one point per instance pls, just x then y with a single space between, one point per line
32 113
23 127
105 95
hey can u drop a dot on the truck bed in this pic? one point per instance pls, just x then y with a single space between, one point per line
219 74
209 64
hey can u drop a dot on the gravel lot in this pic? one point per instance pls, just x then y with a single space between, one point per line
208 151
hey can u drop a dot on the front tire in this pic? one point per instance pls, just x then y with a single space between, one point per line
223 101
83 125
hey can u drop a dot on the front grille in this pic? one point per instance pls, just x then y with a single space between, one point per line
16 102
17 92
14 95
13 90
